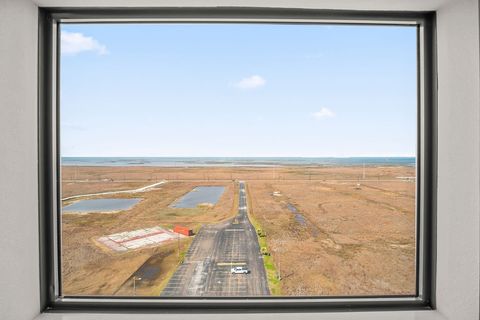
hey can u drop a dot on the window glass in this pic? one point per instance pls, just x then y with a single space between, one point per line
227 160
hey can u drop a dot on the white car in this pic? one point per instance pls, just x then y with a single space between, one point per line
239 270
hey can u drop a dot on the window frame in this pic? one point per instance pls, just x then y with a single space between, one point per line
49 159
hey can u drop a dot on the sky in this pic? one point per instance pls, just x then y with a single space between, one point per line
234 90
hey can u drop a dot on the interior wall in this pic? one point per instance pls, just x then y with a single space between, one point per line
459 147
19 289
458 160
414 5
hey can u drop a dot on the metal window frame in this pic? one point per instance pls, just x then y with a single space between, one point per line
49 159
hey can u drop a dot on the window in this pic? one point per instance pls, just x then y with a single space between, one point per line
283 156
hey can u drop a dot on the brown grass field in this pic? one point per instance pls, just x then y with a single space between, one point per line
357 238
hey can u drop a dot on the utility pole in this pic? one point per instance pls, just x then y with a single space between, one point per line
364 171
134 284
278 252
178 246
279 274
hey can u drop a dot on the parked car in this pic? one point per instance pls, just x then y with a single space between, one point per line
240 270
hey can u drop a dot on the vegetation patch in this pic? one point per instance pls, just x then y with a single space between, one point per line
273 279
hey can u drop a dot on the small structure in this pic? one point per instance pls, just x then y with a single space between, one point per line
136 239
183 230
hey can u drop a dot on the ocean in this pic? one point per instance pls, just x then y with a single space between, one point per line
235 161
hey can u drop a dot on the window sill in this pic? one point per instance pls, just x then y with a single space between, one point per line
388 315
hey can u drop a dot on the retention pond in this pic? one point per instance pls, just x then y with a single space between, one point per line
199 195
101 205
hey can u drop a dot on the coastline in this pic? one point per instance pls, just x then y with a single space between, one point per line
236 161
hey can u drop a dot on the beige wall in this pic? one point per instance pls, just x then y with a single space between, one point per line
459 143
19 291
458 161
318 4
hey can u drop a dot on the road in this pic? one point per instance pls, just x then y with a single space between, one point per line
215 249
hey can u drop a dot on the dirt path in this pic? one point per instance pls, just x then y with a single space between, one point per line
142 189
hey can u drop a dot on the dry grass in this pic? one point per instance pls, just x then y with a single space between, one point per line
90 269
156 271
153 174
355 242
71 188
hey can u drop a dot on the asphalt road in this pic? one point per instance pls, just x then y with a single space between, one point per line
214 251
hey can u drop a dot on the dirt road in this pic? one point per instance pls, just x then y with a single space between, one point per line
142 189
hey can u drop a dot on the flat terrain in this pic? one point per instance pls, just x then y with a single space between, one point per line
216 249
330 230
349 240
88 268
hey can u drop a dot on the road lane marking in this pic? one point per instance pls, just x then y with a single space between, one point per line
231 263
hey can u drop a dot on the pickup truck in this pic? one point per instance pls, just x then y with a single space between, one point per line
239 270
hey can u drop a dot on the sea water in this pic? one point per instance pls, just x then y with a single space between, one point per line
236 161
101 205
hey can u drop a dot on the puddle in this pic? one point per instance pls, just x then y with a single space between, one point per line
298 217
199 195
302 221
151 269
101 205
148 273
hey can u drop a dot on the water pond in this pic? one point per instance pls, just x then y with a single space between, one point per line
199 195
101 205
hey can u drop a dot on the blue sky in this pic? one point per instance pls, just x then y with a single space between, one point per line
238 90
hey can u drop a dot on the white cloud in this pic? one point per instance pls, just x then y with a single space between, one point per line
251 82
323 113
75 42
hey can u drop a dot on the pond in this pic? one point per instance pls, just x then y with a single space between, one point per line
101 205
199 195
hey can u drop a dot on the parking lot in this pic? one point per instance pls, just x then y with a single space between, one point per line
214 251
